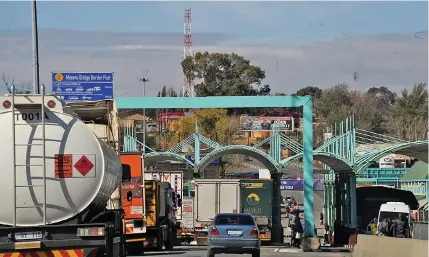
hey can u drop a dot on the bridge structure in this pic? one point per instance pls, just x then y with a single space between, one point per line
347 154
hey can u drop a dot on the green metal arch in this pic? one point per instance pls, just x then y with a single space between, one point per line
334 161
365 160
259 155
164 156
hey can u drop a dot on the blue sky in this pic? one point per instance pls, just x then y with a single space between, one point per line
251 22
297 43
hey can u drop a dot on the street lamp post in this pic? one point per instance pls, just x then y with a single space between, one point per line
144 80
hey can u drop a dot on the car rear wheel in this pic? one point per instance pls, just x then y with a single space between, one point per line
256 254
210 253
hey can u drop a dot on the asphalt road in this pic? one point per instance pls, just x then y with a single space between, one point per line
266 251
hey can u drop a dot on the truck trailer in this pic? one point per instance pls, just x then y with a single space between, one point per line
187 227
213 196
256 199
56 180
175 178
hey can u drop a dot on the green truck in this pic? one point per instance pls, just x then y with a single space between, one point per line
256 198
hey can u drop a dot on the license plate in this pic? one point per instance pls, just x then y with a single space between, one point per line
28 235
235 232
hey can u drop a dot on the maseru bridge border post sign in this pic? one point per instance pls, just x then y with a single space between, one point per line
74 87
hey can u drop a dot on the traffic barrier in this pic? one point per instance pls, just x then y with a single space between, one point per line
381 246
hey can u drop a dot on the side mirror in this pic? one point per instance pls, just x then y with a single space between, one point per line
179 201
129 196
126 173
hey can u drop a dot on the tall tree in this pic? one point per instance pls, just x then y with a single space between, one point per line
334 105
223 74
367 114
409 114
313 91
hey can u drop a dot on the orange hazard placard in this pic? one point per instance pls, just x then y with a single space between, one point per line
63 166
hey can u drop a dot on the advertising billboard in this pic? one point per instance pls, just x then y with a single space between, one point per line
264 123
387 161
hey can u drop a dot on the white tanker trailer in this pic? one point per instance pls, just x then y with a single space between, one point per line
56 179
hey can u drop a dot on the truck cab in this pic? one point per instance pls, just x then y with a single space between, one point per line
150 208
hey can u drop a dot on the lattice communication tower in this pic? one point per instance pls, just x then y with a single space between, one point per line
188 84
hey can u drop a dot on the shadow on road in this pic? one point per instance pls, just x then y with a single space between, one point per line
164 253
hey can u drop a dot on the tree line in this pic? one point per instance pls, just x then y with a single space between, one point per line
377 109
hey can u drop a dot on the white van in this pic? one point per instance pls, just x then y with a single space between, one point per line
391 210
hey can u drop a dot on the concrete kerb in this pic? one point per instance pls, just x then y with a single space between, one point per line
378 246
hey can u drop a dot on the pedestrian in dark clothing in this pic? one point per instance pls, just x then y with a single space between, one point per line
326 234
321 218
400 227
297 230
389 225
384 227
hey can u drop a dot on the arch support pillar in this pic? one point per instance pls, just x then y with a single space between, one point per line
353 208
276 209
308 170
346 213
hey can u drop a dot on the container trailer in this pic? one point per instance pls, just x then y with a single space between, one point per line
213 196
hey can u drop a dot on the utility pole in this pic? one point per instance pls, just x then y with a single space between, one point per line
36 85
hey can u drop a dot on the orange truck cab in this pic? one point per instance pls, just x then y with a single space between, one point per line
149 207
133 204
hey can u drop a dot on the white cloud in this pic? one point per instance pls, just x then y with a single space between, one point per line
394 61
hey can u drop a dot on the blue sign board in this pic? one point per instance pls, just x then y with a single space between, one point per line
298 184
83 87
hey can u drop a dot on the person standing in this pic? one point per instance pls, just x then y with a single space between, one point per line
298 229
400 227
384 228
321 218
326 234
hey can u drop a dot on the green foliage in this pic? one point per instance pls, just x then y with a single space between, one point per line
334 105
312 91
170 92
409 114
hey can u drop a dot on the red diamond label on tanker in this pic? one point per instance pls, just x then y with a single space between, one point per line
84 165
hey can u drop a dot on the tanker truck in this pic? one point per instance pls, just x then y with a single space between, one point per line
56 180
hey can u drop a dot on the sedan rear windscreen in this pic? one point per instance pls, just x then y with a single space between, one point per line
234 220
